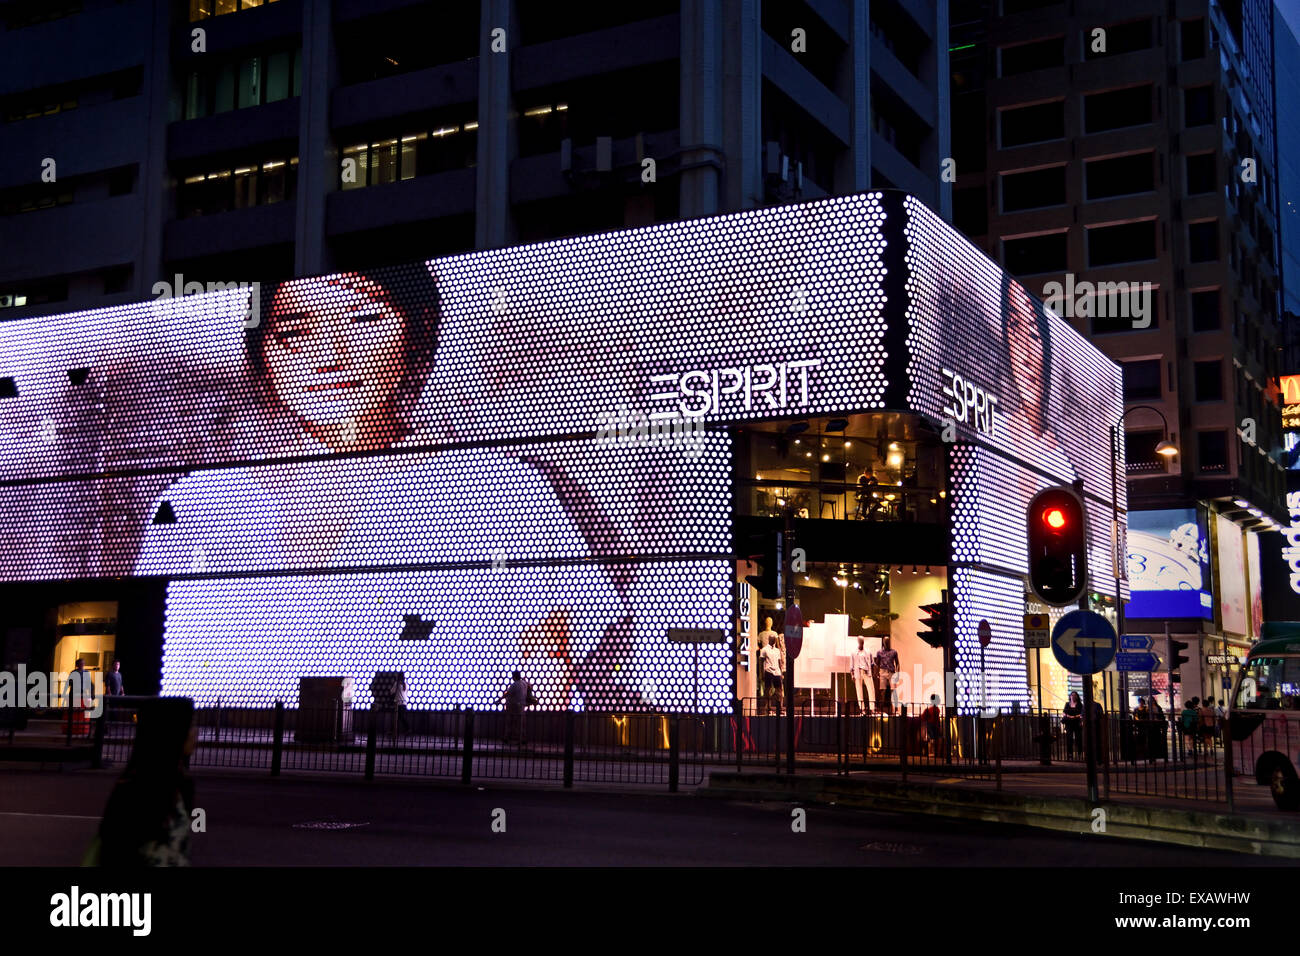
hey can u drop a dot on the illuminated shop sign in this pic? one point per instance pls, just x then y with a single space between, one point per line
969 403
1169 564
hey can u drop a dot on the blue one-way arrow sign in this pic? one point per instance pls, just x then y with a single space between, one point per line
1083 642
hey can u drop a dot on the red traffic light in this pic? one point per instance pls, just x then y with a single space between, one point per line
1058 545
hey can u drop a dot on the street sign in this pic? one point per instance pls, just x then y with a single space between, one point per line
696 635
1083 642
1135 642
1136 661
1037 631
985 633
1222 659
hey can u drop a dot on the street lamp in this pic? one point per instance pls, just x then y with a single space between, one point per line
1167 449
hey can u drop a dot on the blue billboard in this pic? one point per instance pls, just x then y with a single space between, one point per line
1169 565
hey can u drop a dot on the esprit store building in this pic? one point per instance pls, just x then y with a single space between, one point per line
545 457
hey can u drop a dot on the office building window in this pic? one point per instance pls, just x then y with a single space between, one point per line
1212 451
1034 189
1140 452
1117 109
446 147
1193 37
202 9
1046 253
1027 57
1201 173
1120 38
1127 242
1205 311
1208 378
1032 124
1120 176
1198 106
239 187
1141 379
1133 308
249 81
1203 241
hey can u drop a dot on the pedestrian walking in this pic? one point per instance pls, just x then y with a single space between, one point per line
518 696
1157 729
1072 718
1209 723
148 818
1188 720
931 726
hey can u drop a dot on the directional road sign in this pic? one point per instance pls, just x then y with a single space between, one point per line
1136 661
1083 642
1135 642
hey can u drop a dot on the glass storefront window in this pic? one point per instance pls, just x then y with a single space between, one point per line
836 477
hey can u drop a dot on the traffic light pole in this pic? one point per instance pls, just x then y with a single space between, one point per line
790 596
1089 730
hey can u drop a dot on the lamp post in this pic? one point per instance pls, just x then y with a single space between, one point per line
1167 449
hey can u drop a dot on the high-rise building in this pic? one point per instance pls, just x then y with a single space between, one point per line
1121 161
226 140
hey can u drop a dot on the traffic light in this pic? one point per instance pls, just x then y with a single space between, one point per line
1058 546
1176 657
936 622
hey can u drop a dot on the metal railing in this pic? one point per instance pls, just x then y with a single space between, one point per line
565 747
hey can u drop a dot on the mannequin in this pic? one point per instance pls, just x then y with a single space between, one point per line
886 668
860 671
768 636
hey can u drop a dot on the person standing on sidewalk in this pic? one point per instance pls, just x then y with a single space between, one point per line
1072 718
517 697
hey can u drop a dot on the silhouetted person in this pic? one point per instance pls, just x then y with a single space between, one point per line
148 817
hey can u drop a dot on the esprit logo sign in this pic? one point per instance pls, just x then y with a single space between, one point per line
970 404
704 391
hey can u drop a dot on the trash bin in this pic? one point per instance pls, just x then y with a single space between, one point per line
324 710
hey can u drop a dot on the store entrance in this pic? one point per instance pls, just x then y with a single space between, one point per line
861 649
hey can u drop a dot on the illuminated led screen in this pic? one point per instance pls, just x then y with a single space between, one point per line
1028 403
517 458
1169 565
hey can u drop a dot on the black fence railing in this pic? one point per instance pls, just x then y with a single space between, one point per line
557 746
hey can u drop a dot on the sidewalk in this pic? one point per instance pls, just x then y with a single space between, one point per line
1047 801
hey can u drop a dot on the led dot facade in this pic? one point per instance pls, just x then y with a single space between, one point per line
518 458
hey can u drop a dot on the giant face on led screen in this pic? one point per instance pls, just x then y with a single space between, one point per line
1168 565
1029 401
452 469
